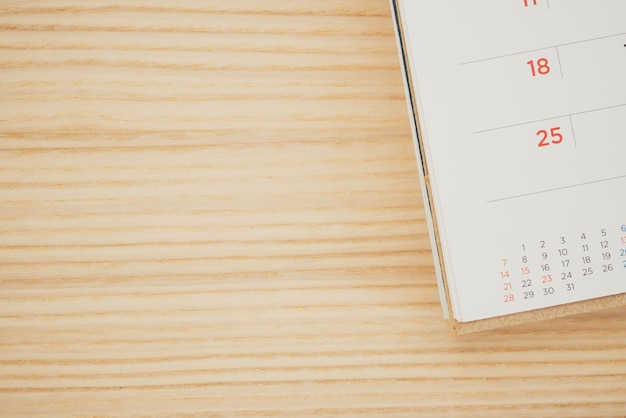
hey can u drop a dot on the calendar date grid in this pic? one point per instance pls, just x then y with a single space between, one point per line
544 268
545 61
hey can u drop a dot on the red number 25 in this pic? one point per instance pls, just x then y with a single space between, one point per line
554 137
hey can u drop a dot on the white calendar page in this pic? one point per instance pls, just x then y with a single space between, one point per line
522 110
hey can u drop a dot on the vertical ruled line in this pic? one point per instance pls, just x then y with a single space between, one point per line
558 57
571 124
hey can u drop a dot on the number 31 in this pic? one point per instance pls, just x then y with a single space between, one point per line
554 135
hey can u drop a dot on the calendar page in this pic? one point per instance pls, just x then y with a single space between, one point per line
522 115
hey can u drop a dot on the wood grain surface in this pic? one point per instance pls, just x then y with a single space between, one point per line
212 208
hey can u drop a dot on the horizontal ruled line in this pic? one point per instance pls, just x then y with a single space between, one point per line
556 189
550 118
506 55
541 49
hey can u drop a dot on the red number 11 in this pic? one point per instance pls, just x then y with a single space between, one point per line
526 3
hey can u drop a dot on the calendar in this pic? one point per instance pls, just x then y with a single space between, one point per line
519 120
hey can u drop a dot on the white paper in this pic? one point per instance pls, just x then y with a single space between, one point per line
522 108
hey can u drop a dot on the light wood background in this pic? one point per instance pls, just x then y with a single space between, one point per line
212 208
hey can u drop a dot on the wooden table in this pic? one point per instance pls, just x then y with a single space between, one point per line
212 208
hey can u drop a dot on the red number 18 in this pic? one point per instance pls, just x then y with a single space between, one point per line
539 67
